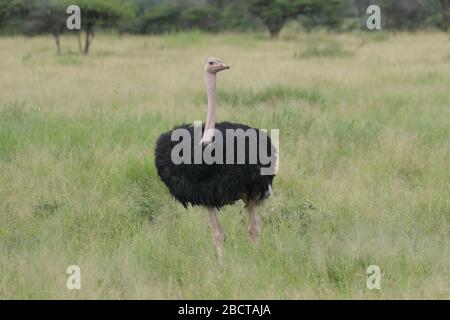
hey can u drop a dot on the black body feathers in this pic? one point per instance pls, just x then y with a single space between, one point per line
216 185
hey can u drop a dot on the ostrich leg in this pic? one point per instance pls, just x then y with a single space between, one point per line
254 228
217 231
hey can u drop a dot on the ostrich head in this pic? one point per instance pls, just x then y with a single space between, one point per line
214 65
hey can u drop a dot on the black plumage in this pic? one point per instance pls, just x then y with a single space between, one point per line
216 185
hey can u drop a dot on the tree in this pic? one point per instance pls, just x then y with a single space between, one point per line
46 16
360 11
405 14
35 16
3 12
445 11
100 13
12 11
274 13
330 15
161 18
203 17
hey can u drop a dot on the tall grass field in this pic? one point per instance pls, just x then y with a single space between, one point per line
364 172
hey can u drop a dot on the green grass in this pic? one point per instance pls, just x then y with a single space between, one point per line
324 48
267 96
364 168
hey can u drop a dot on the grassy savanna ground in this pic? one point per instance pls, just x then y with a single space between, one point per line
364 174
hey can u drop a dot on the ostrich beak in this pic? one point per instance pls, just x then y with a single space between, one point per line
222 66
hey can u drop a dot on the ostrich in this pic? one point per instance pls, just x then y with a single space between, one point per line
218 184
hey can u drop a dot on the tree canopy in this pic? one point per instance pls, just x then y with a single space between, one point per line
275 13
161 16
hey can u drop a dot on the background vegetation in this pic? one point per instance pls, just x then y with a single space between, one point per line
364 174
162 16
33 17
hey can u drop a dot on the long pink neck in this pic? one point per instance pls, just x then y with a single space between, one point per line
210 80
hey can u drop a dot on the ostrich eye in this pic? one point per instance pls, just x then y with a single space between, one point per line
211 63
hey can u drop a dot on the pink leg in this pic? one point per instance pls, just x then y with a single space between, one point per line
217 231
254 228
